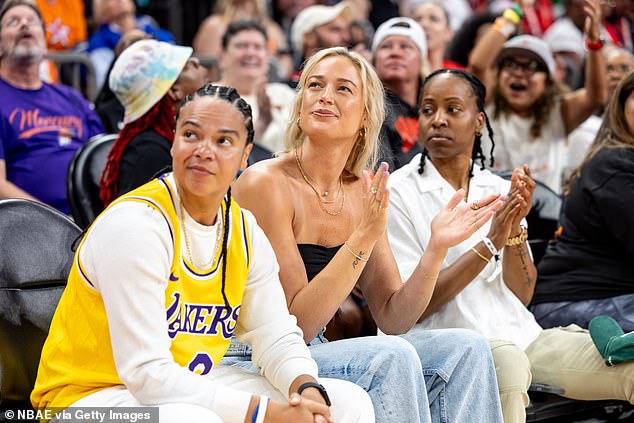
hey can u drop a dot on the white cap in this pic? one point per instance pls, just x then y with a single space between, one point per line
314 16
401 26
564 36
534 46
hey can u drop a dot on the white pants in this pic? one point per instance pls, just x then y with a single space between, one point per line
350 403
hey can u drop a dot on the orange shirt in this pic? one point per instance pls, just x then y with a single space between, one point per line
65 23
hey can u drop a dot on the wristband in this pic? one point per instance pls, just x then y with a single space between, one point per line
504 27
489 244
594 45
317 386
512 16
260 410
516 7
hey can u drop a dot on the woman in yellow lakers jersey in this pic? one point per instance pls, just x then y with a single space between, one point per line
162 280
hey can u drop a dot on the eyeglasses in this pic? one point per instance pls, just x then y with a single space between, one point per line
530 67
622 68
15 21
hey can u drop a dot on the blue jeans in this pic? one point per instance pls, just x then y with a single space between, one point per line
459 374
455 367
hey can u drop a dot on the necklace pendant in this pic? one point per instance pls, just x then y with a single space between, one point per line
325 194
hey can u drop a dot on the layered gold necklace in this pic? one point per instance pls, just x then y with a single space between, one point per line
323 201
188 248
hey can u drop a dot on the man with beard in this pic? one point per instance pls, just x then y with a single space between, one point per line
318 27
41 125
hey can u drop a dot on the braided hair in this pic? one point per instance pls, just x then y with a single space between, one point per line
480 92
231 96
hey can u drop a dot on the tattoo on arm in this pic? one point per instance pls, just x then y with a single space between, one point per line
356 260
522 255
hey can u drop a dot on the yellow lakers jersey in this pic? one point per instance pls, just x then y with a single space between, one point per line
77 357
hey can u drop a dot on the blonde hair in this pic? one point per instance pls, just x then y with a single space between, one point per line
365 150
228 8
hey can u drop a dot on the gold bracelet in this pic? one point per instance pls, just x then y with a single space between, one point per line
480 255
518 239
358 257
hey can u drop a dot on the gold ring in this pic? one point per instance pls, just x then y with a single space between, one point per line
373 190
475 205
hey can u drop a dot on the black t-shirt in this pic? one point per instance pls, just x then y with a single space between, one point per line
399 133
593 256
143 157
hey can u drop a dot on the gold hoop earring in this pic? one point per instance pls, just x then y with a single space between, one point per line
478 133
363 132
297 123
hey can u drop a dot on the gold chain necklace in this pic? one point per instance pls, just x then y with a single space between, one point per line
187 247
321 200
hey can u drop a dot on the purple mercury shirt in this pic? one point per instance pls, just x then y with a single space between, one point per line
40 131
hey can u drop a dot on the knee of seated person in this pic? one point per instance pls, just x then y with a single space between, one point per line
349 401
395 351
512 367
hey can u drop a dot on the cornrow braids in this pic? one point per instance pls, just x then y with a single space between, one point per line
228 94
223 251
480 92
231 96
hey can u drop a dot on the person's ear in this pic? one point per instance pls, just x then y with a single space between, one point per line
245 156
175 93
480 123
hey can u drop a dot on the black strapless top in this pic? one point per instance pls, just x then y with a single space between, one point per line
316 257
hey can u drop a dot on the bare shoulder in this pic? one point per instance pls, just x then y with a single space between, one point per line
267 178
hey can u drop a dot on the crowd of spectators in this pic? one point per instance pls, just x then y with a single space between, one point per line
553 87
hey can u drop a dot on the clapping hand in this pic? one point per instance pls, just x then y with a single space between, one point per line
375 201
506 222
457 221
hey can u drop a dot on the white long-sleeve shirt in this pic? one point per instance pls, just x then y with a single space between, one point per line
127 256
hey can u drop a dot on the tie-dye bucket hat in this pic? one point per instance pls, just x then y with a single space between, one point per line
143 74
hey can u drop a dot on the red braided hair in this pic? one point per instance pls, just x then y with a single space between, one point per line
160 118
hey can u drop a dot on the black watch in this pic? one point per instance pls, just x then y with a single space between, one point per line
317 386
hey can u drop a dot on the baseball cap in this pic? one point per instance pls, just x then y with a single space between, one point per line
143 74
401 26
314 16
614 345
533 46
563 36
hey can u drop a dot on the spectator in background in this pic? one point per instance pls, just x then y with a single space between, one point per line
619 63
244 64
433 17
530 116
207 41
566 41
319 27
107 105
41 125
617 23
587 271
65 23
457 11
467 36
400 51
115 18
150 78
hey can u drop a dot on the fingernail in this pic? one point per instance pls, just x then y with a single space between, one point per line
383 165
